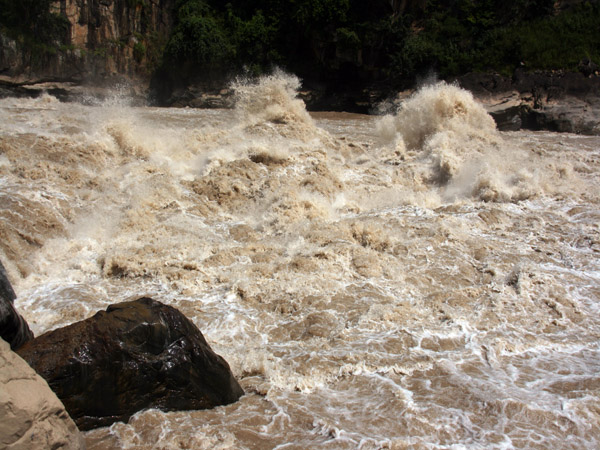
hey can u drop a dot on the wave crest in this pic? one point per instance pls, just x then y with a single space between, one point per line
270 98
445 128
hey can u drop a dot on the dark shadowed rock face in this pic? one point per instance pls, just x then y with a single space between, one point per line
134 355
13 328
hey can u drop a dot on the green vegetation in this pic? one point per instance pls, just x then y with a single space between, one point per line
139 51
354 40
199 37
481 36
561 41
339 41
33 24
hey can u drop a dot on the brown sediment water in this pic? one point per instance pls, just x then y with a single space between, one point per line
411 281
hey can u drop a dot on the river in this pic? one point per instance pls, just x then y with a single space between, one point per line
412 281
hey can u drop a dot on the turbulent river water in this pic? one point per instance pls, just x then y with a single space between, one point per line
411 281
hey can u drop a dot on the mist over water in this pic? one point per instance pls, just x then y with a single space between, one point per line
412 281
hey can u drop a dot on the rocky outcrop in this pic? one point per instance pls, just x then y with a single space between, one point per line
74 91
106 41
553 100
134 355
31 416
513 111
13 328
121 35
6 291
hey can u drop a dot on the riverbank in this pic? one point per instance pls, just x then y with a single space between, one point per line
543 100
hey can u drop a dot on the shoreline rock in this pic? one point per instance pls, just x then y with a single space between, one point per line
133 93
513 111
13 328
31 416
135 355
552 100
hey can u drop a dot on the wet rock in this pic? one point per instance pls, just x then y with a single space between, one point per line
111 28
540 100
569 114
6 290
481 84
31 416
506 110
134 355
588 68
13 328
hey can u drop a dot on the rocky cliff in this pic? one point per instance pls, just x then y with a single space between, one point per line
102 41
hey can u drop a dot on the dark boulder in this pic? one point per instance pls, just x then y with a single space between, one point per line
135 355
13 328
588 68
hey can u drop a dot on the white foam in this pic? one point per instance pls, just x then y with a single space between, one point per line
271 98
365 295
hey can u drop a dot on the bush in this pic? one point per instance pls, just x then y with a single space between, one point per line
362 41
561 41
197 36
139 51
31 23
481 36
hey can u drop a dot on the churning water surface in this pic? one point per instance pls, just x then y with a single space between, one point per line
411 281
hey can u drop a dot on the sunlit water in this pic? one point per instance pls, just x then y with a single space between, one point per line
414 281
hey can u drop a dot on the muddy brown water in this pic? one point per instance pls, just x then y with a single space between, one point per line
413 281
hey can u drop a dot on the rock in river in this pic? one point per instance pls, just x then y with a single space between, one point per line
134 355
13 328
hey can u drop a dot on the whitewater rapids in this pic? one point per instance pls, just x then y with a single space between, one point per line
412 281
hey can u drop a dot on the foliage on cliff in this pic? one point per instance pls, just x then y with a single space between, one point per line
33 24
353 40
467 35
337 41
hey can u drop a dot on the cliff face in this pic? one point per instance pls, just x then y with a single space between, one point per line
104 39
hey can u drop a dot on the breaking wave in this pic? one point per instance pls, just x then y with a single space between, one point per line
444 126
270 98
418 280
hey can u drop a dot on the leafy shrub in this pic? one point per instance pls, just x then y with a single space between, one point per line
561 41
139 51
32 23
465 35
197 36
